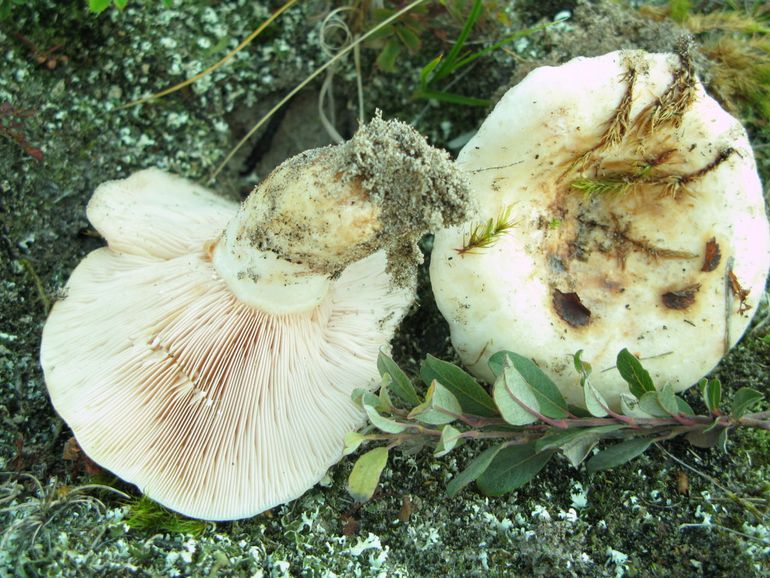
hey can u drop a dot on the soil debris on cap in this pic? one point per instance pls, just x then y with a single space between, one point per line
417 187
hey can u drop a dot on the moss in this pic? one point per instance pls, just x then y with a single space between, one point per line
149 516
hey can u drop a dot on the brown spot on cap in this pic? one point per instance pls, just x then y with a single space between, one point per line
570 309
712 257
680 298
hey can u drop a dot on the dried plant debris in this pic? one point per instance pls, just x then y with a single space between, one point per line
680 298
739 292
712 256
570 309
668 108
615 238
617 125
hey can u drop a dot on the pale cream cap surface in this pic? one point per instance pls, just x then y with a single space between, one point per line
213 408
636 261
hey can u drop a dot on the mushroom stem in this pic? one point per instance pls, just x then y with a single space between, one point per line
299 228
327 208
264 280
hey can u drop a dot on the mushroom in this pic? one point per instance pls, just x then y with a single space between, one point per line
620 207
208 354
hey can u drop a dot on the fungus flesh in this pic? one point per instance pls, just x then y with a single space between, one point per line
634 200
208 353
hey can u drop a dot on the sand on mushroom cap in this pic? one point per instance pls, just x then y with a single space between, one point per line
177 373
634 218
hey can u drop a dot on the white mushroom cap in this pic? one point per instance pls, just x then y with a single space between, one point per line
209 353
213 408
638 221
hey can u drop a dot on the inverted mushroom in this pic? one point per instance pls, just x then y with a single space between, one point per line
208 354
620 208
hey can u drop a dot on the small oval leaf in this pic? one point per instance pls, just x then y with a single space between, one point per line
667 400
383 423
712 394
684 407
631 370
511 468
477 467
400 384
550 400
511 391
649 403
449 437
473 398
618 454
366 473
595 402
745 398
629 405
352 441
439 407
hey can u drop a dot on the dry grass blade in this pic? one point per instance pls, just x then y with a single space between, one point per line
215 66
309 79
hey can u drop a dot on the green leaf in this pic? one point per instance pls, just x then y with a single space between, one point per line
638 379
386 61
451 97
575 444
711 390
707 438
511 468
353 440
472 397
629 405
98 6
383 423
649 403
427 69
595 402
552 403
439 407
449 437
477 467
363 397
722 441
366 473
408 38
684 407
120 4
400 384
745 398
578 449
448 64
618 454
509 388
384 403
667 400
555 439
582 367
